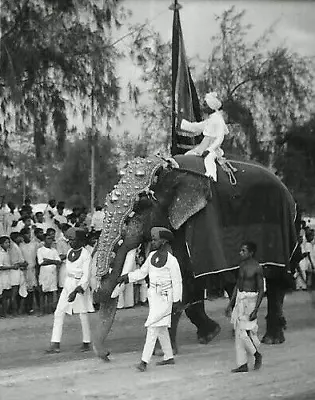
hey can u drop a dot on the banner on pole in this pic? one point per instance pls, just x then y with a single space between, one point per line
185 103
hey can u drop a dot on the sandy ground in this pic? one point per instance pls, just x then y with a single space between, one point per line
201 372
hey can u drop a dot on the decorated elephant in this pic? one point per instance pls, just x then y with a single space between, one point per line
209 220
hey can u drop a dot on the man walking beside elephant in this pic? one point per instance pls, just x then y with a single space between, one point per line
245 301
164 294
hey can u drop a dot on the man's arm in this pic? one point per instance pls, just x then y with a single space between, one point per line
232 300
260 288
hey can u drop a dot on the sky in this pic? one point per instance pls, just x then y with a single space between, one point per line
295 26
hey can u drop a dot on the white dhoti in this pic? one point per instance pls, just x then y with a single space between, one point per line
246 339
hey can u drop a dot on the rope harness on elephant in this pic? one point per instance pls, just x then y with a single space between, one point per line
228 169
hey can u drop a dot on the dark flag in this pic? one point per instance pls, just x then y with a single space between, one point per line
185 103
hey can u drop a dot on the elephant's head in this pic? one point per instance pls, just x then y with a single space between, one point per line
149 193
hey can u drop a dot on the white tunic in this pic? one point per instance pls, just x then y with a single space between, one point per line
77 274
215 128
165 288
47 273
5 283
29 251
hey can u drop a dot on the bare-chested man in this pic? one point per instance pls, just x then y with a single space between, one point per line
246 299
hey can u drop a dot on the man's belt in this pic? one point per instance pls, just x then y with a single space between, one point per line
74 276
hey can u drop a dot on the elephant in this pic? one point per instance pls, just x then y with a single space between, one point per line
210 220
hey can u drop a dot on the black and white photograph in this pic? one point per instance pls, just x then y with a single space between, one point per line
157 199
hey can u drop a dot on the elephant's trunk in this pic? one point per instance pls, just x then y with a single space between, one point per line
107 314
108 305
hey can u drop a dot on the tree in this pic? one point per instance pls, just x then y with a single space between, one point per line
296 163
53 54
263 88
74 176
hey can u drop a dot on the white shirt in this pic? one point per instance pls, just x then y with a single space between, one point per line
43 225
29 251
213 127
97 220
9 219
165 288
45 252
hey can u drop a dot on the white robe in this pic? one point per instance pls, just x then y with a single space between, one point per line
165 288
77 274
215 128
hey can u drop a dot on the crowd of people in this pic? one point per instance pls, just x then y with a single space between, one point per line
33 250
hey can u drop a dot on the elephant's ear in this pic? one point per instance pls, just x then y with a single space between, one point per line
192 193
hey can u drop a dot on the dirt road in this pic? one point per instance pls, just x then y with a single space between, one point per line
201 372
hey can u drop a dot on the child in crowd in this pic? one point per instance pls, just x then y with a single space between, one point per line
48 260
29 249
5 267
17 277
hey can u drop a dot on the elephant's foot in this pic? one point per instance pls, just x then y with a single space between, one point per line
103 355
273 339
210 336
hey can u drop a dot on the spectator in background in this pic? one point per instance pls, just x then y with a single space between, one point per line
2 216
39 237
11 218
97 219
17 277
126 296
60 218
81 222
50 212
40 222
300 275
27 206
74 216
24 222
5 267
29 250
48 260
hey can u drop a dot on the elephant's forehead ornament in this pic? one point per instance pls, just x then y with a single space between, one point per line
135 178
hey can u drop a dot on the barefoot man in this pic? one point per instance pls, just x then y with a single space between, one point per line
246 299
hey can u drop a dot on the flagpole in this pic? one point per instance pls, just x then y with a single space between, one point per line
175 7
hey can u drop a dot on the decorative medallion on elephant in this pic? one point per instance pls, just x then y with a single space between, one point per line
136 177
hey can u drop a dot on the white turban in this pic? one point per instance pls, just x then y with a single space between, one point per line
212 100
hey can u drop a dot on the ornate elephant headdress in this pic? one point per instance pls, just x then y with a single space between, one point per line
136 177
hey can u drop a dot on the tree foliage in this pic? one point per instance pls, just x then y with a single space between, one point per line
264 88
296 163
73 180
53 54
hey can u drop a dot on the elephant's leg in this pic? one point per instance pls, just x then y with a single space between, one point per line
207 328
173 331
275 320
